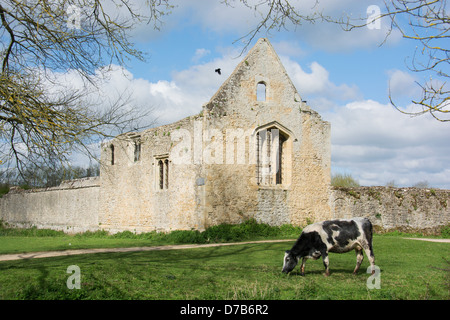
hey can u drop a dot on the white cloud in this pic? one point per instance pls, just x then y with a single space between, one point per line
199 54
172 100
378 144
288 48
218 17
403 86
316 85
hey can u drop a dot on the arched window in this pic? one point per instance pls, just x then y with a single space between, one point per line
272 157
161 174
137 151
166 173
261 91
111 147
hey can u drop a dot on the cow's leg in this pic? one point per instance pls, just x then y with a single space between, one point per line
359 259
326 263
303 266
369 253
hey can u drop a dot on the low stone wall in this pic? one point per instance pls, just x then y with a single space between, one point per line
74 206
403 209
71 207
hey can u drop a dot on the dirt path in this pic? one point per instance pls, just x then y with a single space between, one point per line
49 254
431 240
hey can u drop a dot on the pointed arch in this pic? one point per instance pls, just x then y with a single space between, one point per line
273 154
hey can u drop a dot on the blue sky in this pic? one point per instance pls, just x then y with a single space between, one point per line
345 76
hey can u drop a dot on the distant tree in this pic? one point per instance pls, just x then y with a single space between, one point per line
391 184
343 180
38 176
421 184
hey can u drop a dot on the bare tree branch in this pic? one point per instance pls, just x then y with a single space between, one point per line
426 22
41 119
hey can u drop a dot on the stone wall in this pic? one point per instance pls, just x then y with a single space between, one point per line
403 209
71 207
74 207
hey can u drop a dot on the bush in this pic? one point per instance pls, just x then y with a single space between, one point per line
445 232
4 189
93 234
343 180
29 232
186 236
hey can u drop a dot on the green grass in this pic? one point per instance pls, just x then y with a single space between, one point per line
409 270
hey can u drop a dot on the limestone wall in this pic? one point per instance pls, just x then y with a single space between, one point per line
131 196
74 207
71 207
404 209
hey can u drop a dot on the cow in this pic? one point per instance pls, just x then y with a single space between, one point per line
339 236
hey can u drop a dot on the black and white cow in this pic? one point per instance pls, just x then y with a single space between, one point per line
341 235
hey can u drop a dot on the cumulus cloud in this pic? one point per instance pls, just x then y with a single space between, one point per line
378 144
403 86
199 54
171 100
316 85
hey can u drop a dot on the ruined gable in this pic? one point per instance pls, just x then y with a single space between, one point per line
261 70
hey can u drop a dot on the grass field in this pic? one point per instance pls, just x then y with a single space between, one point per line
409 270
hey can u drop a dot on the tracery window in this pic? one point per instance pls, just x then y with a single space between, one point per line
271 157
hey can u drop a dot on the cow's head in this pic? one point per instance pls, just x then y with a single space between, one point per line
290 261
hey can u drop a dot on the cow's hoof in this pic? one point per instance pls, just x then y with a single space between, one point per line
302 274
326 274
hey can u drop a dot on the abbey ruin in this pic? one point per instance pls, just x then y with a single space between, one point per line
256 150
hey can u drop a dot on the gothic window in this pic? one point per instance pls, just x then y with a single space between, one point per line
271 159
163 173
166 173
137 151
112 154
261 91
